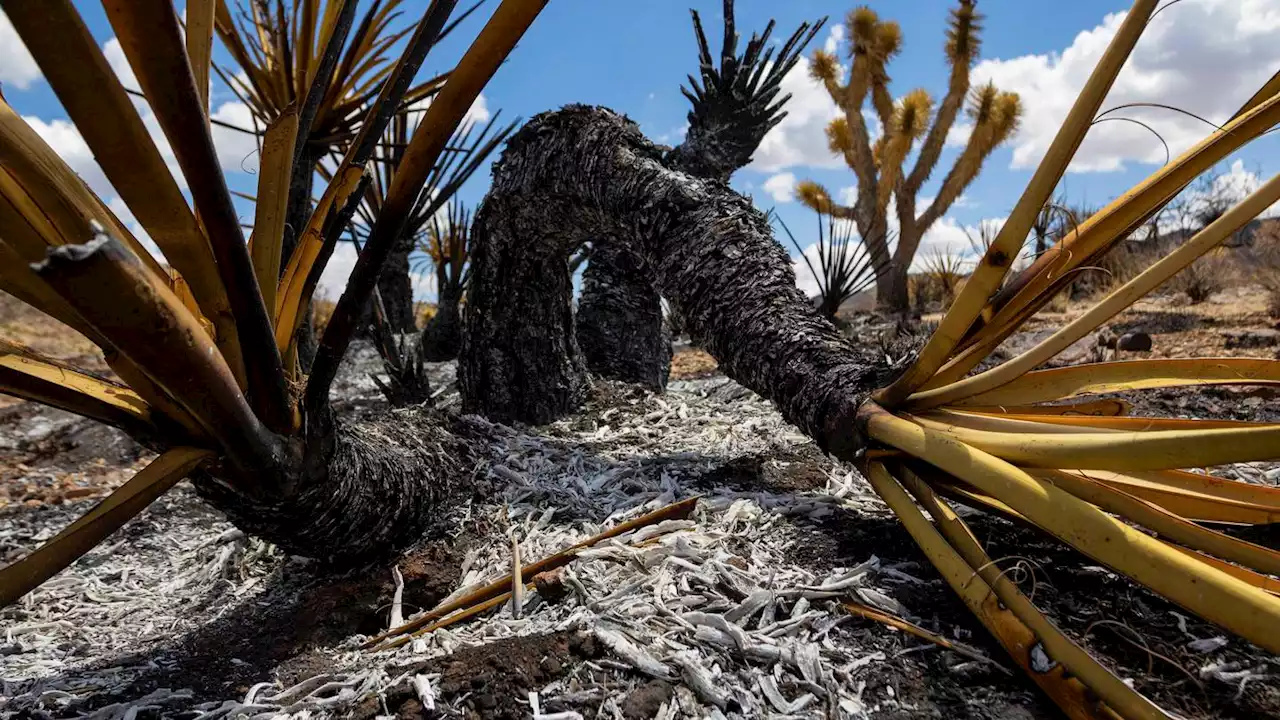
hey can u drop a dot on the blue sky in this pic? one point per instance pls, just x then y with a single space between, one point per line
1206 56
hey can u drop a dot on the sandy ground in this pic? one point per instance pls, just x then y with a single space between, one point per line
734 612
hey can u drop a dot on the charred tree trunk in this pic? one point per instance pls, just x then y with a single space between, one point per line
442 337
588 172
519 359
892 290
396 288
620 326
735 103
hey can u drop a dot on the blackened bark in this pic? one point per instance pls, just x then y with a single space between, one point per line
620 326
892 290
588 172
442 337
520 359
396 287
359 491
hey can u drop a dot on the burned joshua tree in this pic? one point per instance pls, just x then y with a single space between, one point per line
621 331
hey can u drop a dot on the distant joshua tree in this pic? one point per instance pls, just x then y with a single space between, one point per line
879 164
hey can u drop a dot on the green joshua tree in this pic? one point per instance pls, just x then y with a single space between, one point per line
879 165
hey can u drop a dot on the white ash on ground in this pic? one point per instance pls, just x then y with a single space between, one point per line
735 612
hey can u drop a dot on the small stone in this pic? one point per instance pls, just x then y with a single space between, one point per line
1134 342
550 585
644 701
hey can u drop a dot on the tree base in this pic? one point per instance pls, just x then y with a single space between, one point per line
368 490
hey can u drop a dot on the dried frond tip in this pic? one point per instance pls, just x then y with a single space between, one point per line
912 118
824 66
982 103
813 195
963 39
861 24
839 136
888 41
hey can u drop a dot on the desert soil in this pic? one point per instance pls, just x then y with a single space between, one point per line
180 615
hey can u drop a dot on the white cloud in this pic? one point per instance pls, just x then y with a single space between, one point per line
424 285
949 237
66 141
114 53
16 64
334 278
800 140
477 113
237 151
1206 57
834 38
805 279
781 187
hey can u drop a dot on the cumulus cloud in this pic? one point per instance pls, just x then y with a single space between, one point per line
237 151
334 278
781 187
17 67
477 113
66 141
951 238
1206 57
800 140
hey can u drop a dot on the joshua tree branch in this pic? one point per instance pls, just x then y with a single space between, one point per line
962 48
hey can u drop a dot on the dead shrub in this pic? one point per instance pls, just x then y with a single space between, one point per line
1265 265
1209 274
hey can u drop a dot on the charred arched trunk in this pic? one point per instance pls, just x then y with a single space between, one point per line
442 337
734 104
357 489
586 171
350 490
